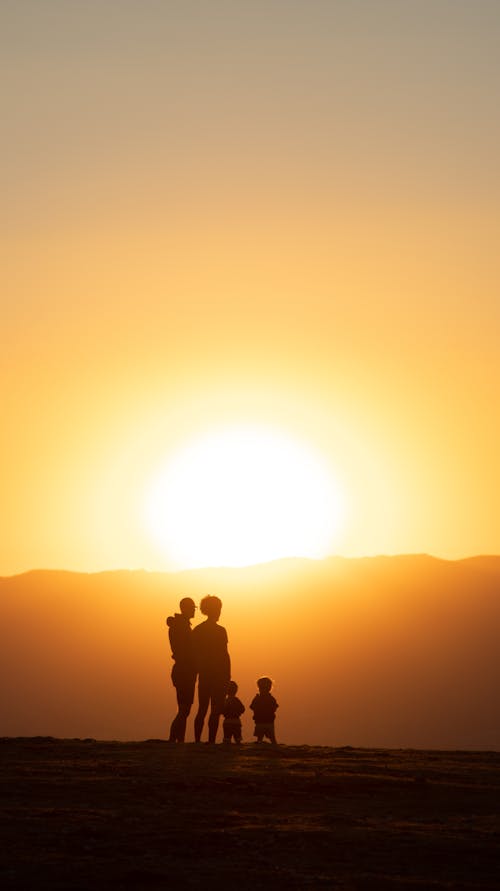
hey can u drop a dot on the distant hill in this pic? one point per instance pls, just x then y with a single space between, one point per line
385 651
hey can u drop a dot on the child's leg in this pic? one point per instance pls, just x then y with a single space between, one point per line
269 734
258 734
237 731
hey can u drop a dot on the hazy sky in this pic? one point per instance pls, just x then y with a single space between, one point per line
274 213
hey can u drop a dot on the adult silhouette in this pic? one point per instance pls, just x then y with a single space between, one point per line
214 668
184 668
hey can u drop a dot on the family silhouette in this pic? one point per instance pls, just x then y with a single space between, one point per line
201 653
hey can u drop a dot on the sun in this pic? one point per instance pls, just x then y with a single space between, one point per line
243 495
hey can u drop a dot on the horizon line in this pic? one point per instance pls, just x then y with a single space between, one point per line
250 566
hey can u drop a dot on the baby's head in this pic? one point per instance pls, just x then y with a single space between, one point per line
265 685
232 688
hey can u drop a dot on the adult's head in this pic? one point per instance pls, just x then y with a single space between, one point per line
211 607
187 607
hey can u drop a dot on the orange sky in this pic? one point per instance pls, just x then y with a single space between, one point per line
271 213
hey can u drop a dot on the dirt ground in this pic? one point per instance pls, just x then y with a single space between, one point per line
82 814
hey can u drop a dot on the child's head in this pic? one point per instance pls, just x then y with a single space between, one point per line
265 685
232 688
211 606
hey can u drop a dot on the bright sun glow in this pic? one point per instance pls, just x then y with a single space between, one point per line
243 495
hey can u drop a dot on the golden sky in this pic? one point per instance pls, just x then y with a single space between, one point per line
276 214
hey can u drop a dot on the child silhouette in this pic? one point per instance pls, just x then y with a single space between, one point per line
233 708
264 708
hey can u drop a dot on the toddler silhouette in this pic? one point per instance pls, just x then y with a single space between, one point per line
232 710
264 708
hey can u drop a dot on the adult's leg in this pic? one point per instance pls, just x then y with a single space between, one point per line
216 706
173 727
203 702
185 696
184 687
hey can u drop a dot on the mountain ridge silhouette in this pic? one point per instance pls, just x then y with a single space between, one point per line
477 560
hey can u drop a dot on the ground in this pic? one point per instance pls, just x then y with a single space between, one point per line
83 814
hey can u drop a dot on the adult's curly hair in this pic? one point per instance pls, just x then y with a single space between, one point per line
210 606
